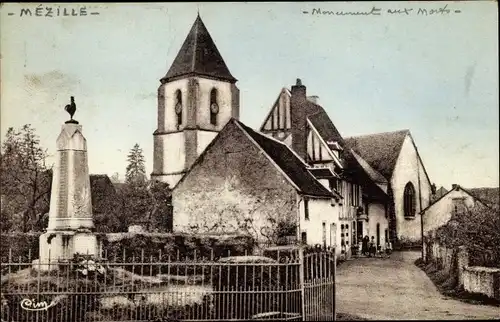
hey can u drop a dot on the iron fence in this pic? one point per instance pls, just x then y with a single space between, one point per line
285 284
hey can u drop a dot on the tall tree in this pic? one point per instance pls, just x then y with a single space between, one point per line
161 211
115 178
136 170
25 178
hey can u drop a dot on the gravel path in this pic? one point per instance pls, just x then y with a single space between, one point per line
395 288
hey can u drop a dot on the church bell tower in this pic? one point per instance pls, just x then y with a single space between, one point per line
196 98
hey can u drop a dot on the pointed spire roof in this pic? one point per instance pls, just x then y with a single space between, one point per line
199 56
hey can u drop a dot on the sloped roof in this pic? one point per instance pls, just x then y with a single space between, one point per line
289 162
490 196
487 196
199 56
359 174
322 122
441 191
380 150
374 174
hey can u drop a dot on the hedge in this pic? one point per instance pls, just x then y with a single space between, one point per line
140 247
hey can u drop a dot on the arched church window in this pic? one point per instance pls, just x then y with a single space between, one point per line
409 200
214 107
178 106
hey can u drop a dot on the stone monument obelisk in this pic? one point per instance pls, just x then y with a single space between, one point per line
71 225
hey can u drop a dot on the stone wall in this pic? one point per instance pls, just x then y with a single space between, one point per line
234 188
482 280
443 256
474 279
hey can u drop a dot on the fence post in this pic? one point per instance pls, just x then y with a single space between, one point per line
301 282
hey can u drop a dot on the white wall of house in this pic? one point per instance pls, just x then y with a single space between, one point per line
320 211
440 212
376 215
409 169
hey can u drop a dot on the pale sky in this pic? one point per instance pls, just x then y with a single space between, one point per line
436 75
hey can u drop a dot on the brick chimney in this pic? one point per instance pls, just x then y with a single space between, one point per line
298 89
298 117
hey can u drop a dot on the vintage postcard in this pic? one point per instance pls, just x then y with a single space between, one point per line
306 161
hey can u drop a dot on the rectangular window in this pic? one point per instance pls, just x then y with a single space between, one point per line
304 237
306 208
324 234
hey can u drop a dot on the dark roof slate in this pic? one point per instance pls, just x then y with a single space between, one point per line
199 56
322 122
380 150
289 162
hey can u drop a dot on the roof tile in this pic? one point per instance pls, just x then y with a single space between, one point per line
199 56
289 162
380 150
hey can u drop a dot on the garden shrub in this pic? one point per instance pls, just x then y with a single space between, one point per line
450 283
419 262
440 276
174 246
19 245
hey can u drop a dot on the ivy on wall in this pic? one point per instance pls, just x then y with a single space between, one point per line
477 228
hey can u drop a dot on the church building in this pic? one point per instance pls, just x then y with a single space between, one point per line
196 98
299 172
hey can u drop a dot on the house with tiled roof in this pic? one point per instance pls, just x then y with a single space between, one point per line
298 121
381 176
456 202
245 181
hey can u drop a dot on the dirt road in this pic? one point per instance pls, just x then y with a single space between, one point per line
395 288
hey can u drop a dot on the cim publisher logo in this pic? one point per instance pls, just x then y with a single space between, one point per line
34 305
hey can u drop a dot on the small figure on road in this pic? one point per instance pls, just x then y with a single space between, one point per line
388 247
364 247
373 249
